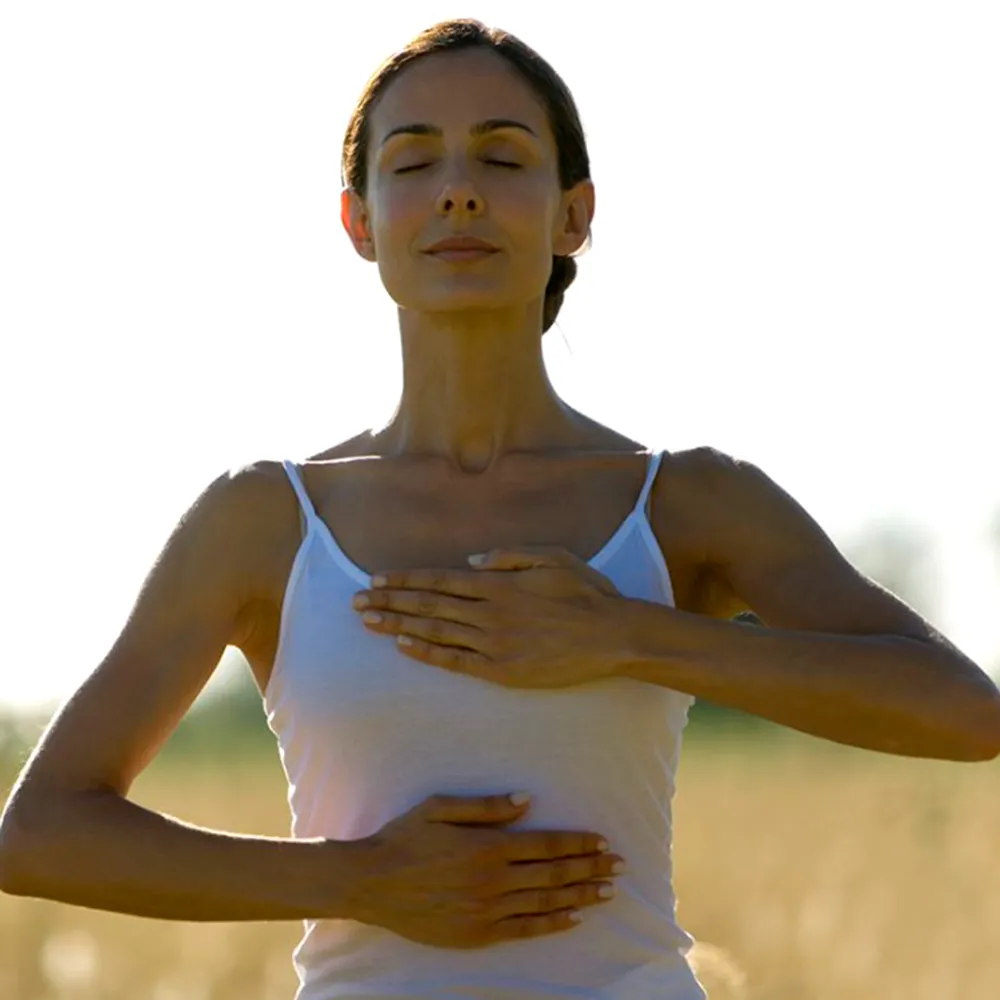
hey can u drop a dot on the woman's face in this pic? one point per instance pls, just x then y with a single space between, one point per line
459 146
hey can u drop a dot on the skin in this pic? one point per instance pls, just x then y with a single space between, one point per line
479 455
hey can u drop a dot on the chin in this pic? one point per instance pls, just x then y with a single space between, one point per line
459 300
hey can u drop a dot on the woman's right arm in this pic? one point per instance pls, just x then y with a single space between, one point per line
69 832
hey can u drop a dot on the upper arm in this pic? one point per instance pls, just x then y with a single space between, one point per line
189 607
764 553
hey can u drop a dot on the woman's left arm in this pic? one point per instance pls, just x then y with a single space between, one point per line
838 656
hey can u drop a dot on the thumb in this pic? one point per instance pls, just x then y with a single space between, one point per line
474 809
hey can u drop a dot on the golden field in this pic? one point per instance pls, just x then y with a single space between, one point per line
807 871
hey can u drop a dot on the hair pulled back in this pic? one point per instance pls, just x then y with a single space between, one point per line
545 82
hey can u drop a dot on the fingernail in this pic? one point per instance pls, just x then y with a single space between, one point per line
520 798
618 867
602 845
478 559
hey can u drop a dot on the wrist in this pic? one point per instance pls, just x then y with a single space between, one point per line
349 866
625 634
651 640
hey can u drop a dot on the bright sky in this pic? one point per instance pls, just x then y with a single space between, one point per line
795 259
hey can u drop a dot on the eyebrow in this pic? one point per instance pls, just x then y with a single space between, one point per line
480 128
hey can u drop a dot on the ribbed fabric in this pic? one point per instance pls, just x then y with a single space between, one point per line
365 733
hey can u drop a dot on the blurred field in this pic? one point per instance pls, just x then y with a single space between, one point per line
809 871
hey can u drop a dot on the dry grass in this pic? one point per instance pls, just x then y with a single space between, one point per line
808 875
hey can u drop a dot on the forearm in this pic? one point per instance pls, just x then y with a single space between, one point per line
99 850
887 693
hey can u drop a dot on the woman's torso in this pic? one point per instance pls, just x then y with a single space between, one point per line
365 733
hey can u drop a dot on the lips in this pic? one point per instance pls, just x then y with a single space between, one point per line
461 245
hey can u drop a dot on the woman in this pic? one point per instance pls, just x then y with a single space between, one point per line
410 686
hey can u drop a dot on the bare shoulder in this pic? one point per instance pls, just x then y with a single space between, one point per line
691 483
252 511
702 484
731 506
705 468
263 532
698 495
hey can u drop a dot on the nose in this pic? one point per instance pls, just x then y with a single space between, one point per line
459 195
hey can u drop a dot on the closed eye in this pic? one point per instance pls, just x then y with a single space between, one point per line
495 163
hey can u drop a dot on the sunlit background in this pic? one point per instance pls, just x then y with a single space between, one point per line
795 259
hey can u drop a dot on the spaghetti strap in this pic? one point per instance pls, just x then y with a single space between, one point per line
654 464
300 491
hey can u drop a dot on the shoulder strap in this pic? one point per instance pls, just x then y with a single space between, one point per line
308 511
654 464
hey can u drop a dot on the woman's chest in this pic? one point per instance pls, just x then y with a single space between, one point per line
407 525
331 674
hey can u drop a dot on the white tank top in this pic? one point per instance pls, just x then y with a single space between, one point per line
365 733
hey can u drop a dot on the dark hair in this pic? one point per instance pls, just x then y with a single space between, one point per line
564 119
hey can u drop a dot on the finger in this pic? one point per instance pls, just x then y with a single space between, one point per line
427 604
463 809
521 557
457 582
544 845
459 661
432 630
561 872
547 900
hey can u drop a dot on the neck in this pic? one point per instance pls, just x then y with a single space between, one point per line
474 388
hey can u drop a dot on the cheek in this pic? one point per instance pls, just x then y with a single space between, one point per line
528 214
399 216
400 221
526 211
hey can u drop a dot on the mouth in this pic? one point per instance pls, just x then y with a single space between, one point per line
457 248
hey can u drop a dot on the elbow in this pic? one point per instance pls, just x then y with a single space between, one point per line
21 846
988 747
12 881
990 736
981 740
14 842
977 752
965 714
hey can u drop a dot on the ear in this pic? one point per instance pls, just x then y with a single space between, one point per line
575 217
356 223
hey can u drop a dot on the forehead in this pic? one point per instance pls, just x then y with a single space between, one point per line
458 89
